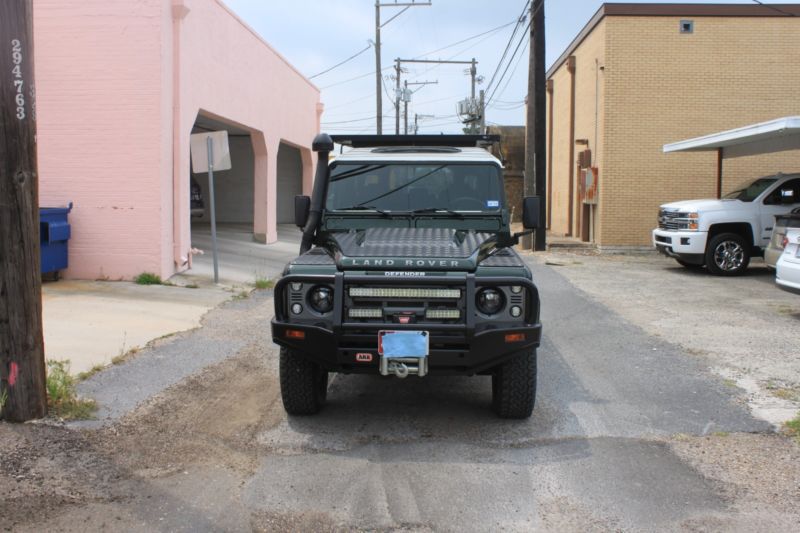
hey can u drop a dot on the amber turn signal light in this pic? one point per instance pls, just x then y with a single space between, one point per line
295 334
515 337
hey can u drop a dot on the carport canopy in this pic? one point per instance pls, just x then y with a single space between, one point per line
762 138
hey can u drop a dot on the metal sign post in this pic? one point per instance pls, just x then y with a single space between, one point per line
210 151
210 147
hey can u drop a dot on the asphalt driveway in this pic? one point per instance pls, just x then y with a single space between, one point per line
629 433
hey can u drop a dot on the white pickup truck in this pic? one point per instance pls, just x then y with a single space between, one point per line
724 234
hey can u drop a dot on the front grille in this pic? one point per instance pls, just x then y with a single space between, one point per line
672 220
413 305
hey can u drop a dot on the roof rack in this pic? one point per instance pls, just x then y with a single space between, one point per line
371 141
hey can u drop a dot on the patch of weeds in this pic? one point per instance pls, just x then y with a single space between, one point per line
62 400
264 283
89 373
787 310
191 286
783 392
729 383
148 278
241 295
792 428
3 400
123 355
720 433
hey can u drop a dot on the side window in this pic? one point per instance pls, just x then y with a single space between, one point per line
786 194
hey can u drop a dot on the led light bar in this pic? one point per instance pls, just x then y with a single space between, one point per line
398 292
365 313
443 313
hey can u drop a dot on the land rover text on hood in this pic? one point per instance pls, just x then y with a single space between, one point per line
407 268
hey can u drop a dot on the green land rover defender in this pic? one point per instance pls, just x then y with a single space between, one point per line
407 268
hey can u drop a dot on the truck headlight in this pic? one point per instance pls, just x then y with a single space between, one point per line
490 301
320 298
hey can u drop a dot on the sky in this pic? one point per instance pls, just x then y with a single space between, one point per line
314 35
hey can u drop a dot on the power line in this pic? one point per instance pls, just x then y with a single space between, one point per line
369 45
426 53
500 80
514 70
467 39
520 21
779 10
353 120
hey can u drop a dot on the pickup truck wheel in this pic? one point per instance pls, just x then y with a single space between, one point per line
727 254
304 384
514 386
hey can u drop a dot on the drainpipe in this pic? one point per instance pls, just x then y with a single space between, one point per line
550 156
719 172
571 70
179 12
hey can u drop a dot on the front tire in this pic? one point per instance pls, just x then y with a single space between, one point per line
727 254
304 384
514 386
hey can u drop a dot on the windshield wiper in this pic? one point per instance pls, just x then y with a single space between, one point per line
435 209
363 208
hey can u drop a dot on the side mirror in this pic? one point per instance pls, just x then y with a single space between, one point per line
302 206
530 212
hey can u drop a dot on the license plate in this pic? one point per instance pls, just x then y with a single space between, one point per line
403 343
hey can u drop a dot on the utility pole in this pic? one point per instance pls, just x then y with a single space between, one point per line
407 98
482 107
22 369
535 181
397 98
378 26
416 121
378 94
472 70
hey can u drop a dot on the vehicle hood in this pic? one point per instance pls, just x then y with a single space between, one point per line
711 204
411 249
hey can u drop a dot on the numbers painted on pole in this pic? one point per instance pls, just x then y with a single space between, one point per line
19 83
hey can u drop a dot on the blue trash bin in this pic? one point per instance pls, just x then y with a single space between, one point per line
54 232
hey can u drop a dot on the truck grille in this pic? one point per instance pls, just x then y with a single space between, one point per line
672 220
405 305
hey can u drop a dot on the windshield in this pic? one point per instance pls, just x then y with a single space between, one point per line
415 186
751 192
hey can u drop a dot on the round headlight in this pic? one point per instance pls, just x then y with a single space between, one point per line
320 298
490 301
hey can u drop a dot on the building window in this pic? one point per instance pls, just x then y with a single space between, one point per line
687 26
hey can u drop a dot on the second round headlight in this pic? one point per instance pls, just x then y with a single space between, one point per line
320 298
490 301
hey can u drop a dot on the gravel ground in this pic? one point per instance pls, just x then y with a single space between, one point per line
741 327
615 443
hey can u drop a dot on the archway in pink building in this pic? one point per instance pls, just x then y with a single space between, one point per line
234 194
254 201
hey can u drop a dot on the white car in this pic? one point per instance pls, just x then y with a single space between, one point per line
723 234
788 266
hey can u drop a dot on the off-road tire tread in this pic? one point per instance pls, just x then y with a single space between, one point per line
514 386
299 384
712 244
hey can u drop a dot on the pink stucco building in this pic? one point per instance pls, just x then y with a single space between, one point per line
121 85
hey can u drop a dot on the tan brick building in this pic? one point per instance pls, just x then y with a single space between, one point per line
639 76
